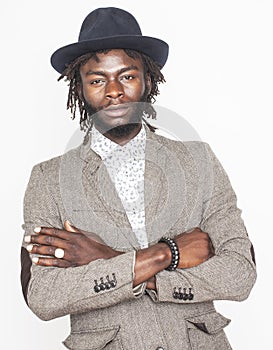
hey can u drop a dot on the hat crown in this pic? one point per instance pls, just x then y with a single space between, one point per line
109 28
108 22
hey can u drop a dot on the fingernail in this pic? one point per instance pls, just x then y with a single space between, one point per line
29 247
27 239
35 260
37 229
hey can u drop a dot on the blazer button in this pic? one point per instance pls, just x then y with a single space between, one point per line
160 348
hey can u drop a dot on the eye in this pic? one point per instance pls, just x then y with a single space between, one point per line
127 77
96 81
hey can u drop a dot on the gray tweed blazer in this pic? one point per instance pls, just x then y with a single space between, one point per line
185 187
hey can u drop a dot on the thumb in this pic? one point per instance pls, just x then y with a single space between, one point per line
69 227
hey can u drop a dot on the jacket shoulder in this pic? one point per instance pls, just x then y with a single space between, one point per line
50 169
196 148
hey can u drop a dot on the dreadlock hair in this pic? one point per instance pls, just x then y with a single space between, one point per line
74 101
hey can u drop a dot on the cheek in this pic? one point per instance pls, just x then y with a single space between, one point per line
90 96
135 91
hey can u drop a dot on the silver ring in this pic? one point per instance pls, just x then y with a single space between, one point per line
59 253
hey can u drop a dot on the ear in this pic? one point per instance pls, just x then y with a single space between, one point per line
148 82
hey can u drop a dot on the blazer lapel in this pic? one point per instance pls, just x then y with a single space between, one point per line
170 186
105 202
154 189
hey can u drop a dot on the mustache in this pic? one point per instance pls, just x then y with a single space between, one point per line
91 110
107 105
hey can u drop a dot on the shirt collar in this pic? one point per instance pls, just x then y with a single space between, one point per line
104 146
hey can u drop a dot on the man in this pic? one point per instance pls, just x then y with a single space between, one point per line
132 234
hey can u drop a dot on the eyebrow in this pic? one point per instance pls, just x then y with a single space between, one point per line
102 73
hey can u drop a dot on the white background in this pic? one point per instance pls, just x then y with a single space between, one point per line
219 77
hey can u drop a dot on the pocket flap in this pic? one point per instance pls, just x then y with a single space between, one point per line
210 323
93 339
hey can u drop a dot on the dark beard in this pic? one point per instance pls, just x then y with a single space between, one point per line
120 130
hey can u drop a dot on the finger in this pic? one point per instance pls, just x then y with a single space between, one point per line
193 229
70 228
54 232
51 262
211 249
43 250
46 240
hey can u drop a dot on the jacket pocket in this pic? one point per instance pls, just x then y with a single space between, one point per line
206 332
94 339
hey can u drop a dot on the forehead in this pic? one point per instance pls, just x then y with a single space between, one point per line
111 61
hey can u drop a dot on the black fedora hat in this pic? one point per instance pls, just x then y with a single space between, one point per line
110 28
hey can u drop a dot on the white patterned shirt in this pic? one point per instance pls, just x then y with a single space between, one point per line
126 165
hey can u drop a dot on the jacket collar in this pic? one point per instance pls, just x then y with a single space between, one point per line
94 160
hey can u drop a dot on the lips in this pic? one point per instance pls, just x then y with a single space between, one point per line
116 111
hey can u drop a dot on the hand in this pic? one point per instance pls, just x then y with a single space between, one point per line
151 283
195 247
80 247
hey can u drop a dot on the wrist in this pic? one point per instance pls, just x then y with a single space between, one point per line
164 255
113 253
149 261
174 251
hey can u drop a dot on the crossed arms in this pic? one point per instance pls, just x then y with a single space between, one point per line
80 249
216 261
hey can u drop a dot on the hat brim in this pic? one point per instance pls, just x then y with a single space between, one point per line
155 48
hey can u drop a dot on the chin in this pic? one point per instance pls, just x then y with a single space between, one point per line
106 123
122 130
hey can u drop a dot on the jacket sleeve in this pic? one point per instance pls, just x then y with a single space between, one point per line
231 273
52 292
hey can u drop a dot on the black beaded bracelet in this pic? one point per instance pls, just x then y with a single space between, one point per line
175 253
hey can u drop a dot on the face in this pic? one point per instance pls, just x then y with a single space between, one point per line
110 85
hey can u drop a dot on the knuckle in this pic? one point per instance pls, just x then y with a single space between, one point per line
32 238
55 231
45 262
49 240
79 237
34 249
205 237
51 250
56 262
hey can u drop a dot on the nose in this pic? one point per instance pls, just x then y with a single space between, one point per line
114 89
